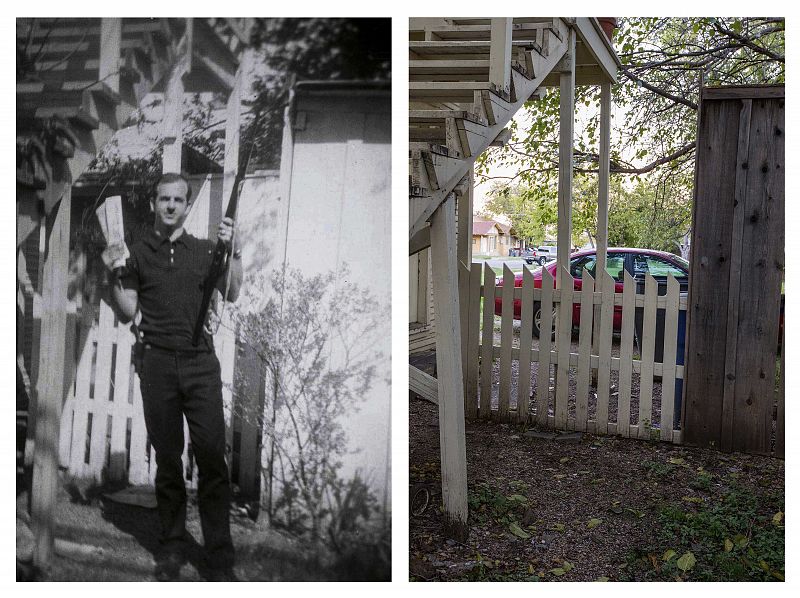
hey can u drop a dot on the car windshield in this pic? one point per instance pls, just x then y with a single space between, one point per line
682 262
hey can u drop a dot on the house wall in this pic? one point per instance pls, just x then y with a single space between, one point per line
335 172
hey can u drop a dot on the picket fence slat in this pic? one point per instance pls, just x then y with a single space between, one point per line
626 356
545 341
485 408
648 357
670 351
473 343
604 350
564 335
584 352
506 343
526 345
463 304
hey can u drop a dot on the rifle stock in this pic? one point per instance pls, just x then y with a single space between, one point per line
218 262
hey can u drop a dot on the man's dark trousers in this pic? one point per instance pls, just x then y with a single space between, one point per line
174 384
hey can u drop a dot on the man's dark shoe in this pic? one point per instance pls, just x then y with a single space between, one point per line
168 568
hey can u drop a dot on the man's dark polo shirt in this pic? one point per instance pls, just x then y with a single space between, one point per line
168 277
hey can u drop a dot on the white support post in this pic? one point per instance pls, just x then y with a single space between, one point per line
172 121
604 172
110 50
232 127
500 54
50 381
465 221
565 153
450 374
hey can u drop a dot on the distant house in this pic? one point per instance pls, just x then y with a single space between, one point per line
490 237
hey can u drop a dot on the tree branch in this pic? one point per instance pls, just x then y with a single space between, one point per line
658 91
749 43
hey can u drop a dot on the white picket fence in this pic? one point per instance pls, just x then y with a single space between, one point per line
567 397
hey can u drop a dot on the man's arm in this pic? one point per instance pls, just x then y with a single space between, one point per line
225 234
127 300
236 275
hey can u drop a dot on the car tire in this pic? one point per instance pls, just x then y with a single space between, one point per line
537 317
542 261
528 261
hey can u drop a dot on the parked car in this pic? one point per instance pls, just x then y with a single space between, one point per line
638 262
540 255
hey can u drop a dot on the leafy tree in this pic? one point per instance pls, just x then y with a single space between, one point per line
664 63
312 335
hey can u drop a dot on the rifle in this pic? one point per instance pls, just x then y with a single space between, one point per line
219 259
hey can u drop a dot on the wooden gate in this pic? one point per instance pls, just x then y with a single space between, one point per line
562 384
736 272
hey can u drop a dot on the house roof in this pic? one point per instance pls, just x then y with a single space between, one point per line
504 228
483 227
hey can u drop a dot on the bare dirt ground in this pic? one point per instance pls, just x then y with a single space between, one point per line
589 509
108 541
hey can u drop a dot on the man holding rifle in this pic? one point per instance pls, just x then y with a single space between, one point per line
164 279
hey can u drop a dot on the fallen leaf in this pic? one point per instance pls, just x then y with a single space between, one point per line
564 459
559 527
694 499
728 545
777 518
518 498
558 571
518 531
686 562
567 566
740 541
668 554
676 460
593 523
602 578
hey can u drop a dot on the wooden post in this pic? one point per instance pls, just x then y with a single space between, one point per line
448 364
172 121
50 382
110 50
500 54
565 152
604 171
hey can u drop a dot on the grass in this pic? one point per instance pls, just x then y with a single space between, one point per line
738 536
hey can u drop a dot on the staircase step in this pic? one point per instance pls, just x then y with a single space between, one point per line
550 21
532 32
437 116
451 91
449 67
74 114
456 129
466 50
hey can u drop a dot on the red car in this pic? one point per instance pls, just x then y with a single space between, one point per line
636 261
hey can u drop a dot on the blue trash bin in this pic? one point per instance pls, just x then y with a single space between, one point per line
679 357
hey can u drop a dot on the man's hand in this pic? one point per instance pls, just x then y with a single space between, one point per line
114 256
225 232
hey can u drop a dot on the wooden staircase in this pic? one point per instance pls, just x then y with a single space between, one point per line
465 85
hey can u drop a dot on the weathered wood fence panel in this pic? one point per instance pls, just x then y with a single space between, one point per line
736 270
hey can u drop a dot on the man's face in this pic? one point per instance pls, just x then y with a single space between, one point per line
171 205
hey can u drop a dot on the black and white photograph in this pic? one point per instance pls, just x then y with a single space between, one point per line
203 299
